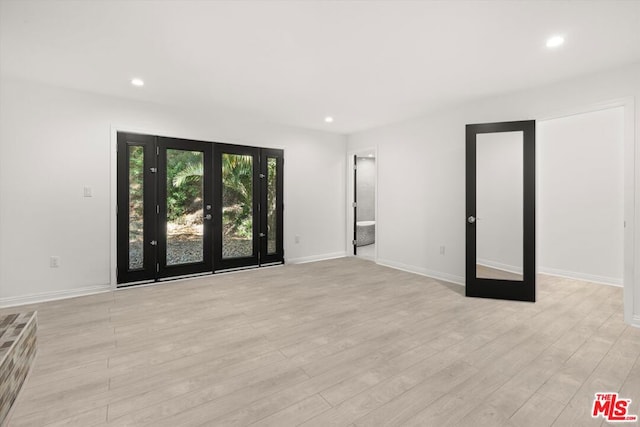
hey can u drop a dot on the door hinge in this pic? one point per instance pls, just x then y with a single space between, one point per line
153 242
157 151
353 242
262 176
157 209
354 205
153 170
258 207
355 167
157 268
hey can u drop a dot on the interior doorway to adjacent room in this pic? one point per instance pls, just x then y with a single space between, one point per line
364 204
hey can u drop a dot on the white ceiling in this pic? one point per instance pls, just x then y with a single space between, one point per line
366 63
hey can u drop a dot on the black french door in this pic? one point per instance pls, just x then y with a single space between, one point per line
500 199
164 207
271 206
191 207
184 207
137 218
249 215
237 196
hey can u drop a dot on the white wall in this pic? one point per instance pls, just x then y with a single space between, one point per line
421 170
580 209
499 200
54 141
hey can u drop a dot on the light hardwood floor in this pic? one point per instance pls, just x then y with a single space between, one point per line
484 272
340 342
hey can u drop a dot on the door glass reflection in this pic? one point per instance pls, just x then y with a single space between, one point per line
184 207
237 205
499 205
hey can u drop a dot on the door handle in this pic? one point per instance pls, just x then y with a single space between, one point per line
471 219
207 217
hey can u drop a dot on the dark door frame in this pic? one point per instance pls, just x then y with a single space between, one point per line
355 204
493 288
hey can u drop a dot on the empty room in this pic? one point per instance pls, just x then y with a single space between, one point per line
315 213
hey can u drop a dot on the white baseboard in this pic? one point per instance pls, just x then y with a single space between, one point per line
315 258
458 280
500 266
635 321
611 281
52 296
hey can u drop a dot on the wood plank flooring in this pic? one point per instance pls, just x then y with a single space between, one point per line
484 272
343 342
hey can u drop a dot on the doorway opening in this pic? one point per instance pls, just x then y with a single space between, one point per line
581 204
191 207
364 205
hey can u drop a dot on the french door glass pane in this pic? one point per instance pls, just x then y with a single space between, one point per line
272 214
185 196
136 207
237 206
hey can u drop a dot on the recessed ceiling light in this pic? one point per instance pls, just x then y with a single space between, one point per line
555 41
137 82
328 119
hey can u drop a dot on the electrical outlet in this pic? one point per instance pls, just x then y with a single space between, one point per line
88 192
54 262
442 250
297 238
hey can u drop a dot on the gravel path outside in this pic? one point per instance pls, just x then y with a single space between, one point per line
182 249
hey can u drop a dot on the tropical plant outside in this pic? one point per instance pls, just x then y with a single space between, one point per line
185 205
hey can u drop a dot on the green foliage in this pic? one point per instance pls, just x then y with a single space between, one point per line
184 183
136 181
271 204
184 189
237 195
